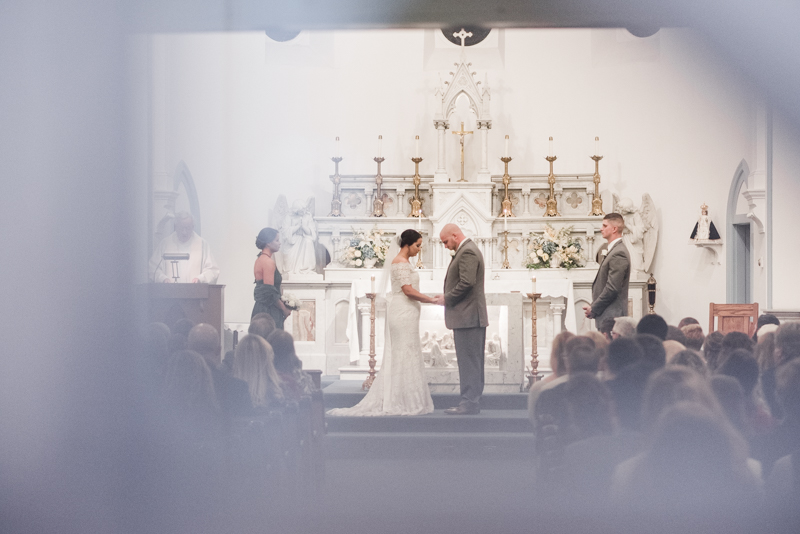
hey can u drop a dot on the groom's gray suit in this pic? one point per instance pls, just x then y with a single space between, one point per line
465 313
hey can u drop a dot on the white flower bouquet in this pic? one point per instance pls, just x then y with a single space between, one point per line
366 249
554 248
290 301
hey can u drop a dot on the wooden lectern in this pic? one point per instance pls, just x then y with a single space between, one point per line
200 303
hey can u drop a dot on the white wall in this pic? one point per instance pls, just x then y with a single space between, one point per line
785 218
253 119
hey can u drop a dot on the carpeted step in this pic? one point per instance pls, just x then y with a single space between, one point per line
346 393
438 421
428 445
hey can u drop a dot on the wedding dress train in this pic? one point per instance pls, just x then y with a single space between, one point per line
400 387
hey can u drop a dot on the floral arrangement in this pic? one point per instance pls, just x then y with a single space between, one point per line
366 250
554 249
291 301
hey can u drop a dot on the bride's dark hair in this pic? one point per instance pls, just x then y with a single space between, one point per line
408 237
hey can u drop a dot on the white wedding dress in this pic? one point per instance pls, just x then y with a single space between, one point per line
400 387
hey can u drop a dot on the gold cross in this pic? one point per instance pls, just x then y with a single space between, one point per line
462 133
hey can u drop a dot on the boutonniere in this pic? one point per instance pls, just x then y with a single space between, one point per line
604 253
452 253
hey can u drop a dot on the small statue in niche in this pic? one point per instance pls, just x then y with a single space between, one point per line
704 230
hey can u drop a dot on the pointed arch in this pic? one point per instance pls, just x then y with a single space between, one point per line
733 221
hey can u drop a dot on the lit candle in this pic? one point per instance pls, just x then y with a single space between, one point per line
380 142
337 147
372 284
416 147
533 284
596 146
551 147
419 223
506 151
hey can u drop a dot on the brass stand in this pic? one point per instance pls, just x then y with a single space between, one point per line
416 200
597 202
336 202
651 294
371 378
506 265
534 376
419 254
505 210
552 205
377 204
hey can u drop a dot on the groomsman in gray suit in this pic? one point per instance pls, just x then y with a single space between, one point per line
465 313
610 286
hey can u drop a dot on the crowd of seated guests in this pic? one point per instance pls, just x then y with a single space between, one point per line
661 421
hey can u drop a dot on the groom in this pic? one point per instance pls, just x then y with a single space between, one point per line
465 313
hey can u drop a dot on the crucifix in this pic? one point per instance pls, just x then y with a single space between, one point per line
462 133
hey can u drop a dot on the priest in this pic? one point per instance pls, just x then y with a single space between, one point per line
199 268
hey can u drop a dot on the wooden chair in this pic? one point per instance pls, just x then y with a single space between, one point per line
733 318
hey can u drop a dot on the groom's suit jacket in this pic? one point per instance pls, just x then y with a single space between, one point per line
610 286
464 298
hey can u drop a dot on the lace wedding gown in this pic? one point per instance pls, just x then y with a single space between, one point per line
399 387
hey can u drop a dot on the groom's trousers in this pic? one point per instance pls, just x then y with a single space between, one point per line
470 344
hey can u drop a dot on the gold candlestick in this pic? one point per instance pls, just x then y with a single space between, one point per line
336 203
597 202
371 378
552 206
416 201
506 265
534 376
505 209
377 204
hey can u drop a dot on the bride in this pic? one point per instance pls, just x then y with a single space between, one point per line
400 387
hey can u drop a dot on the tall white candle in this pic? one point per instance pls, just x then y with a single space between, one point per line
416 147
419 223
336 155
505 154
596 146
380 143
551 147
372 284
533 284
505 222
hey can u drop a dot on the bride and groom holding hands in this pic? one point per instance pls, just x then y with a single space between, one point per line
400 387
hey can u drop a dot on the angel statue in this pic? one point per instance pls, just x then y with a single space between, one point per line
641 230
298 233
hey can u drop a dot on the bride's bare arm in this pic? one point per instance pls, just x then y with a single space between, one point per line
413 294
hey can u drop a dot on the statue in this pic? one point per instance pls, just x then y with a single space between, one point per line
298 232
495 357
641 230
704 230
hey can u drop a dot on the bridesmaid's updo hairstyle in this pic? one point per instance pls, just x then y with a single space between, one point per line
265 236
409 237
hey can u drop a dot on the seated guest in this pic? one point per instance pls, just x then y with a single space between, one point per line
621 353
623 327
694 336
691 359
764 320
676 334
253 363
628 387
193 412
742 365
783 482
262 324
606 326
711 349
232 393
787 348
653 349
730 395
180 335
686 321
558 352
671 348
294 381
155 349
733 341
600 341
653 324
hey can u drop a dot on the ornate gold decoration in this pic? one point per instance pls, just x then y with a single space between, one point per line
506 264
534 376
416 201
462 133
597 202
336 202
551 204
377 204
372 361
506 206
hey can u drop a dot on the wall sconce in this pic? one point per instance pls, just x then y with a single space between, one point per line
651 293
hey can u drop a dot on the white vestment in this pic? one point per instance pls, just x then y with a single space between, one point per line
200 265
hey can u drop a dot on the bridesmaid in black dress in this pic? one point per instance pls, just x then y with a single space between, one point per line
268 279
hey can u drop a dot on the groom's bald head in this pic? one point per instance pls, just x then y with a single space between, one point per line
451 235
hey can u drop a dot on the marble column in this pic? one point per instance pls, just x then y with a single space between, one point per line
441 126
526 197
364 306
483 173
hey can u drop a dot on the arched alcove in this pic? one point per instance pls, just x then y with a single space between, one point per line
739 284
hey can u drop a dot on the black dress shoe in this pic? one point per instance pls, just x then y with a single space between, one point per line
463 409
